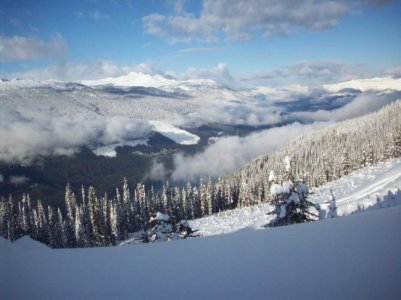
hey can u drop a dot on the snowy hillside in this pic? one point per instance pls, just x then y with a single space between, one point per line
356 257
370 188
371 84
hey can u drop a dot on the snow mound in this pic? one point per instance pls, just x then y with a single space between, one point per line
27 243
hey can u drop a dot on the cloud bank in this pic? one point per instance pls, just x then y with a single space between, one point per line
361 105
228 154
22 138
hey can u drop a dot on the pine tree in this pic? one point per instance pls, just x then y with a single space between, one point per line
114 219
127 208
95 215
203 198
70 205
60 232
346 166
395 148
290 199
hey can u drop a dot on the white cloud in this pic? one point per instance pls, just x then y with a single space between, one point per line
240 114
311 73
219 73
25 138
241 19
228 154
21 48
361 105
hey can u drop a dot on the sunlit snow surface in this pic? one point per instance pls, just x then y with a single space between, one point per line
370 84
356 257
354 193
176 134
352 257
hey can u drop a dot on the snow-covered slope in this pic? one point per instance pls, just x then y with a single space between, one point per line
133 79
371 84
370 188
356 257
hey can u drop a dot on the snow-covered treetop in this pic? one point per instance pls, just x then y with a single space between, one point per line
284 188
287 163
161 217
272 176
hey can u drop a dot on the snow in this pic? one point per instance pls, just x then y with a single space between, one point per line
161 217
272 176
353 257
353 193
277 189
176 134
109 150
371 84
133 79
361 189
287 163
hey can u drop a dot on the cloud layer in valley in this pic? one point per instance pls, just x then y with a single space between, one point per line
22 138
228 154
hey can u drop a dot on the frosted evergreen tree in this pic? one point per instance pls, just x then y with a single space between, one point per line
127 208
367 156
26 214
346 166
164 199
78 228
203 198
290 199
164 228
70 205
184 204
395 148
114 219
60 232
209 197
141 207
190 201
95 215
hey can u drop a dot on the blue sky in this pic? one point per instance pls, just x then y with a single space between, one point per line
250 38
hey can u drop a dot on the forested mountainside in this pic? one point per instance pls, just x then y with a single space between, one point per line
327 154
97 220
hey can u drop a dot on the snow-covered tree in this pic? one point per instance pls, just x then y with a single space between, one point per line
289 198
164 228
70 205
